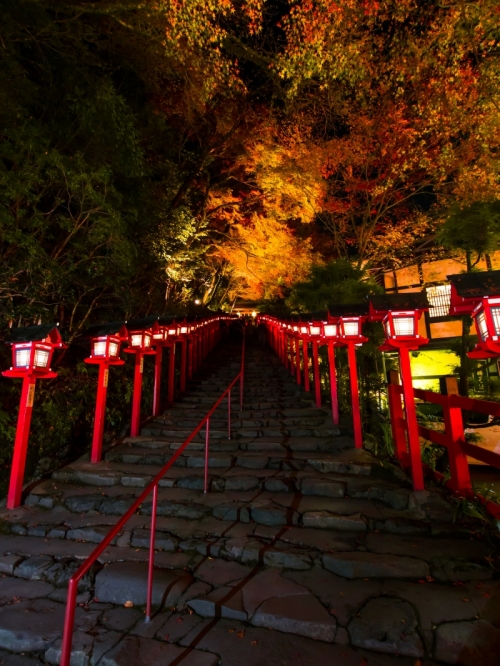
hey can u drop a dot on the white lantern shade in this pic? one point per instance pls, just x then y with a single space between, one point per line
22 357
330 330
404 326
136 340
314 330
481 325
41 358
147 339
495 315
304 330
99 348
113 348
184 330
351 328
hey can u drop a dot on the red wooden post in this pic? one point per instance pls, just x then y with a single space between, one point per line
292 355
171 374
333 383
100 413
190 356
183 364
21 443
198 349
417 472
157 383
397 418
305 356
356 413
317 382
135 426
297 360
454 429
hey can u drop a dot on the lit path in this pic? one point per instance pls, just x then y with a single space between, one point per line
304 553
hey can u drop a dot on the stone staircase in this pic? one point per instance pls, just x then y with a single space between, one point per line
305 551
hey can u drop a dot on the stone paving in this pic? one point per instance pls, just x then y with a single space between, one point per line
304 552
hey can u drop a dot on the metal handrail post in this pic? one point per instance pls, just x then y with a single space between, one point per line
69 618
151 563
207 448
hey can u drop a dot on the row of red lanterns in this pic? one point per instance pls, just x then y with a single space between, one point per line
475 294
341 326
33 348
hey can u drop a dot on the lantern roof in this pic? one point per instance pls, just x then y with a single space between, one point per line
107 328
165 320
314 316
468 289
381 304
295 317
40 333
141 324
348 310
476 285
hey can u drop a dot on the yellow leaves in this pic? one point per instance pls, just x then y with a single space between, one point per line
266 256
288 170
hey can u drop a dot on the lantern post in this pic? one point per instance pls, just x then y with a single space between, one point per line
173 330
32 349
331 335
315 327
350 320
161 340
295 332
399 314
304 335
183 331
140 334
105 352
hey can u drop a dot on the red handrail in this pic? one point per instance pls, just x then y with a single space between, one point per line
452 437
69 619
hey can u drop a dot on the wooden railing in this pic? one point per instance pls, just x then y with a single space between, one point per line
451 437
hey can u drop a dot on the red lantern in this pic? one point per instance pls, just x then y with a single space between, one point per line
315 336
399 314
105 350
32 349
349 322
140 336
478 294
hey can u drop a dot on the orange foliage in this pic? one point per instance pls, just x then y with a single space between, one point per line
266 257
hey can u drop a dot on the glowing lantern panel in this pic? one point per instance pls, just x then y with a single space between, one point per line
330 330
351 328
404 325
22 357
136 340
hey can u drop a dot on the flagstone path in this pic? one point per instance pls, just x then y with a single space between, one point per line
304 552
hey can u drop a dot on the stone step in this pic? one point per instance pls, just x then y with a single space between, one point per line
299 533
